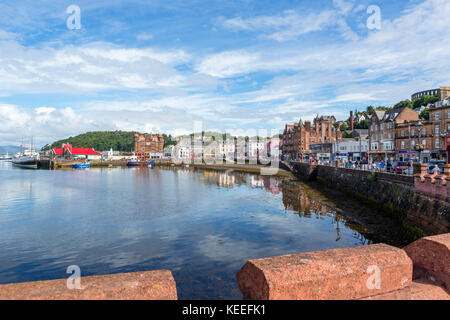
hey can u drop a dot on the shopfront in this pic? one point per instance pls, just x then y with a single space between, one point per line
448 147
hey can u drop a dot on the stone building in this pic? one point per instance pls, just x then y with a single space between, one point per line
382 131
148 146
408 135
440 120
298 137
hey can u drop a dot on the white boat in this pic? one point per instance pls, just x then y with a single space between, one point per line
26 159
5 157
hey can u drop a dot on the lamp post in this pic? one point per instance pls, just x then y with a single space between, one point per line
409 142
419 147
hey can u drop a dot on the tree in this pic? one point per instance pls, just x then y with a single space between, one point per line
404 103
425 100
425 114
363 124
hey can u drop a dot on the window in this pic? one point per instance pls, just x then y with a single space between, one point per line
436 116
389 135
403 133
448 114
403 144
448 126
412 131
436 129
424 130
424 142
437 143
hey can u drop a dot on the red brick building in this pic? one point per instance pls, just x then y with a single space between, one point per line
148 146
298 137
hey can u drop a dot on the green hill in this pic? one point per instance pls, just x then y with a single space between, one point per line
104 140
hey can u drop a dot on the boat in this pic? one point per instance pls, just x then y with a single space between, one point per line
81 166
26 159
5 157
137 163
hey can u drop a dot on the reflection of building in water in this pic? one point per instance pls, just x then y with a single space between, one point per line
226 180
256 182
296 199
222 179
231 178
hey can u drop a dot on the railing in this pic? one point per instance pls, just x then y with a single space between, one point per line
361 167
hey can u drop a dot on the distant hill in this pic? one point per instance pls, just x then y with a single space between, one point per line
10 149
104 140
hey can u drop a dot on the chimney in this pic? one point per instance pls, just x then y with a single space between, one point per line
351 120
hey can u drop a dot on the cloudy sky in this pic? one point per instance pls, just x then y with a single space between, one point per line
160 65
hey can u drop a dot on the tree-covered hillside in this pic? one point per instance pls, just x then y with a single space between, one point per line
104 140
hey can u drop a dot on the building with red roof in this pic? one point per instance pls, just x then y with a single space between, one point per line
68 152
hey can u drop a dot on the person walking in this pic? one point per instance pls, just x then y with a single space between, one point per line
388 166
382 165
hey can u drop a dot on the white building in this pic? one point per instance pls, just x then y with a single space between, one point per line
169 152
116 155
256 147
227 149
350 149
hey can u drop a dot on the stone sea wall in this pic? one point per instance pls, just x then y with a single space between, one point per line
420 202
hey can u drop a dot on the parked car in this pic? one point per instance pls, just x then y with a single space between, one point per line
431 165
402 167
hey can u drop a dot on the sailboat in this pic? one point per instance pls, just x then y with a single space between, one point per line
27 158
5 157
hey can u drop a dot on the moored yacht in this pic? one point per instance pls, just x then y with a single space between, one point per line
5 157
26 159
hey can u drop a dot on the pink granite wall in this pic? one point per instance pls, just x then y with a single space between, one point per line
377 272
149 285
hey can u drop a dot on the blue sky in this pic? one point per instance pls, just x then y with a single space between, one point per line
158 66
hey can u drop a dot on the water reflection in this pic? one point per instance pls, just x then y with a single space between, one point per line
202 225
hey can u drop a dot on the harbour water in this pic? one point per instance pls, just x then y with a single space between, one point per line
202 225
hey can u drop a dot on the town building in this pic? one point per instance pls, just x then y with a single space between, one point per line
68 152
117 155
256 148
169 152
294 141
148 146
228 149
350 149
410 134
382 132
297 138
440 119
273 148
442 92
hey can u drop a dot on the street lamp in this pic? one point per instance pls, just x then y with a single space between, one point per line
419 147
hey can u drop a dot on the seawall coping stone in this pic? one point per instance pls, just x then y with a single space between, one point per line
331 274
431 258
149 285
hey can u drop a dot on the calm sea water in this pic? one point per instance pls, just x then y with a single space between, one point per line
201 225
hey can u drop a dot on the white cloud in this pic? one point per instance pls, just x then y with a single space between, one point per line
98 66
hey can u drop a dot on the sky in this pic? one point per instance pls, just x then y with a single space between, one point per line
171 66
